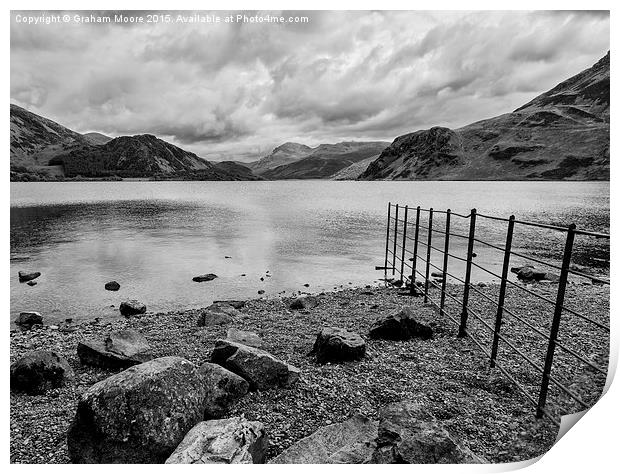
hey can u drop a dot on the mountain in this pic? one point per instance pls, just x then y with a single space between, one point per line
95 138
560 134
282 155
43 149
138 156
325 160
36 140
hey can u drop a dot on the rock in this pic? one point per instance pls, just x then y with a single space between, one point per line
244 337
437 274
529 273
304 302
27 276
237 304
223 389
261 292
132 307
31 283
335 344
139 415
409 434
400 326
217 314
27 319
261 369
39 371
121 349
227 441
205 277
351 442
112 286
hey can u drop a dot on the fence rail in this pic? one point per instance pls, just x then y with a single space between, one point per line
400 244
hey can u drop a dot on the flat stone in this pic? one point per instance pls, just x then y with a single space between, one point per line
261 369
409 434
27 276
120 349
350 442
244 337
217 314
205 277
226 441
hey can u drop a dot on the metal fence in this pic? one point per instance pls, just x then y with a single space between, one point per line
409 242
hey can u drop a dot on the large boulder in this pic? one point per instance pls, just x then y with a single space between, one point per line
400 326
529 273
121 349
410 435
131 308
27 319
350 442
261 369
304 302
223 389
244 337
27 276
335 344
227 441
139 415
237 304
40 371
217 314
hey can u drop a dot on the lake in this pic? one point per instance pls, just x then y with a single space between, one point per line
153 237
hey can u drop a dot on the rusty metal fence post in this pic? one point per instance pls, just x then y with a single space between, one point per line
555 324
428 253
470 256
446 250
412 290
395 239
502 289
402 259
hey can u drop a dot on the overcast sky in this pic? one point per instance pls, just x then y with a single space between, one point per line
234 91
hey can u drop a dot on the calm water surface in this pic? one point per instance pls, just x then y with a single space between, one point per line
153 237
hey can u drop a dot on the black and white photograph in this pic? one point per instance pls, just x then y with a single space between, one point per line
307 236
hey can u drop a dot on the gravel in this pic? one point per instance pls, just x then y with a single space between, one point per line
448 375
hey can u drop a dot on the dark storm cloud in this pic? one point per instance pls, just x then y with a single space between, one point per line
226 90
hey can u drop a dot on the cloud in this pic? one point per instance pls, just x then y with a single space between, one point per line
229 91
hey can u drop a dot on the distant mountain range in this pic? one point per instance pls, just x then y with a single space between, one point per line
561 134
322 162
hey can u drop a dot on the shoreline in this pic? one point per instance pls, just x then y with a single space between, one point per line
448 375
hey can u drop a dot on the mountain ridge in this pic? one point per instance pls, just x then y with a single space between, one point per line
560 134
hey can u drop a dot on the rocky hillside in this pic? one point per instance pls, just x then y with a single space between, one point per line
561 134
36 140
42 149
325 160
95 138
351 172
